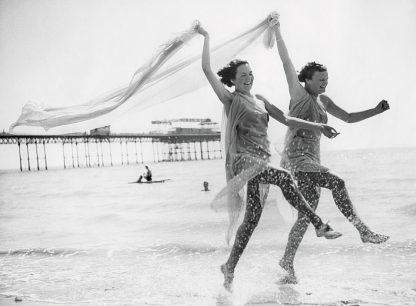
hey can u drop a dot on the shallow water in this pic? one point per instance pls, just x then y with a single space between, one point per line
86 236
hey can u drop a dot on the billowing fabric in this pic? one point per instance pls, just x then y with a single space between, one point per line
169 74
247 154
302 146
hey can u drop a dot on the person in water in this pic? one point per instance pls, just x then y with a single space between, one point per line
301 154
146 175
247 151
206 186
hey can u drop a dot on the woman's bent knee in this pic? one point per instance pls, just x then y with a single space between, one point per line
339 183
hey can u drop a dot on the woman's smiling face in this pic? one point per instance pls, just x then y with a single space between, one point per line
243 79
317 84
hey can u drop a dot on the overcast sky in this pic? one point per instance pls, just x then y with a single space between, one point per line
70 51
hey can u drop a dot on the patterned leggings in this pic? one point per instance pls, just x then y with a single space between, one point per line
308 181
284 180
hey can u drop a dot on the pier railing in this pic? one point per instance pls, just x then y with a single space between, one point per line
108 150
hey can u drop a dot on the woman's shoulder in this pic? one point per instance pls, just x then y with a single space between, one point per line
325 100
302 99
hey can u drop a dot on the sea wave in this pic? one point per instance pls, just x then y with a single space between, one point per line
181 249
43 252
388 248
162 249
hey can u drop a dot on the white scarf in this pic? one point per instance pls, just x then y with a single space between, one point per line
155 82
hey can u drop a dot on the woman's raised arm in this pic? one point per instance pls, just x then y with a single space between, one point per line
296 90
223 94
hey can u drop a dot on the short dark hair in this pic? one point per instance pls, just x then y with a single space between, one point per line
309 69
228 72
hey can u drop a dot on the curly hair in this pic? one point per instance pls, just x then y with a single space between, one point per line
228 72
308 70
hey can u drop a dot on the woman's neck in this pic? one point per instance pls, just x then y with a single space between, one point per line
311 92
244 93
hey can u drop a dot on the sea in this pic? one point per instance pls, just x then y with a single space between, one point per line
88 236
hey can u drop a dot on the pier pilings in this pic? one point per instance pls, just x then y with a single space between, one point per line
108 150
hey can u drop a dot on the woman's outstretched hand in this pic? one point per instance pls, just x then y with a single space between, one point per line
328 131
200 29
382 106
273 20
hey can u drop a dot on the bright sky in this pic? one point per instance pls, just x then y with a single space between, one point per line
70 51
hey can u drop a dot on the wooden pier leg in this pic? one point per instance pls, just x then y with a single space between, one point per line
170 153
20 156
44 153
127 152
63 152
200 146
89 153
141 150
98 153
102 153
181 151
72 153
85 152
188 146
76 148
196 155
209 157
111 155
135 147
28 158
37 157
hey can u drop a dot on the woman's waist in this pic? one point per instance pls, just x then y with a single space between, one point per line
256 146
244 161
298 146
305 134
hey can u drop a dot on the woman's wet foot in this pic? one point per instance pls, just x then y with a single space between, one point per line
372 237
326 231
290 278
228 277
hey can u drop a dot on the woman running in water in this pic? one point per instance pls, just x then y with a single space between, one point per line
247 149
301 155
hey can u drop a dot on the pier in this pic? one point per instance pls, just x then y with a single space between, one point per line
35 151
